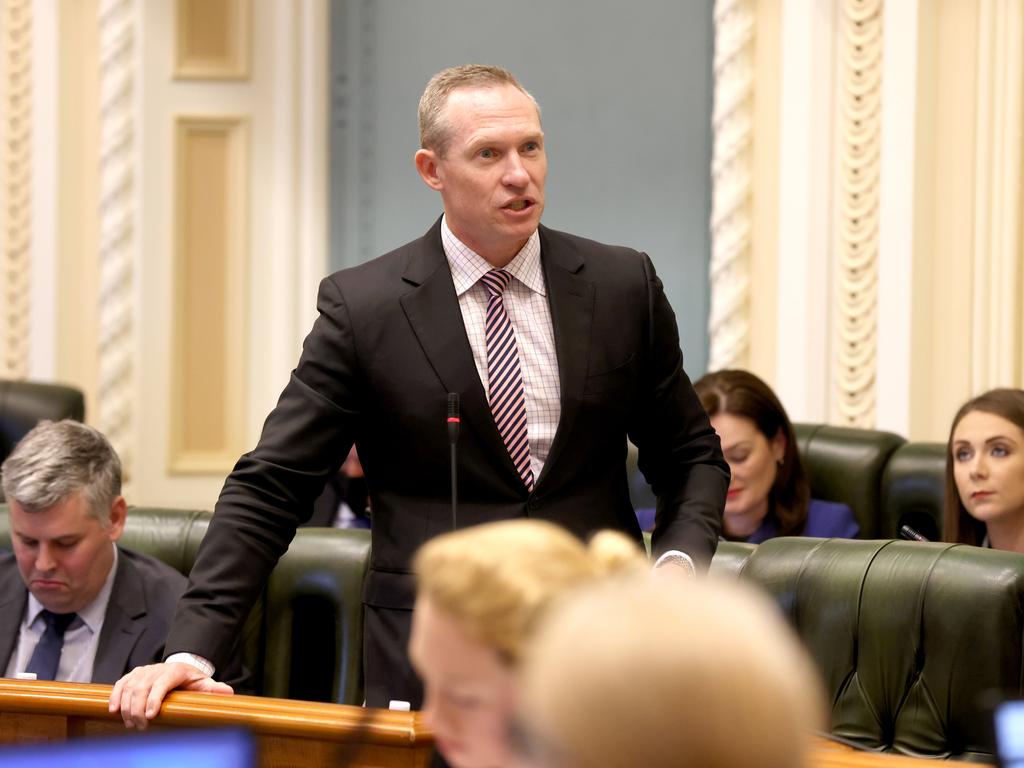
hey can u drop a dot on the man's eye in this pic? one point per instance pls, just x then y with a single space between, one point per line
487 153
531 146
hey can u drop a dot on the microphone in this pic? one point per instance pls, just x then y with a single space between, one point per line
906 532
454 422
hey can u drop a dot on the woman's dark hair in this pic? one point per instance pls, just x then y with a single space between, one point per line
741 393
958 525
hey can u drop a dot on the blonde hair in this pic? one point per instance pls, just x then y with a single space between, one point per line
435 131
642 673
495 580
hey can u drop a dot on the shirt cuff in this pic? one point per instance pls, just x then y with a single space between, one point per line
203 665
676 557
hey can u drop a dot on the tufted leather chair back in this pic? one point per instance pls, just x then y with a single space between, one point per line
913 487
846 465
914 641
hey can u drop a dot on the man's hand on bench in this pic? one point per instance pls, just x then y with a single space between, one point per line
139 694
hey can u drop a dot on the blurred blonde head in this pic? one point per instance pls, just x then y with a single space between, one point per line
705 674
482 591
494 580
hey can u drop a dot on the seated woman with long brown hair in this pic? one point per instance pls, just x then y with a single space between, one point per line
769 494
985 472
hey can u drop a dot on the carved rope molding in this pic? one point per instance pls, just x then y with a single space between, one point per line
856 223
731 184
16 44
116 225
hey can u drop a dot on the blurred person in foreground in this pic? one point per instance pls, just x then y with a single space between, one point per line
633 673
481 592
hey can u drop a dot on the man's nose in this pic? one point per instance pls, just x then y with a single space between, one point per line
44 559
515 171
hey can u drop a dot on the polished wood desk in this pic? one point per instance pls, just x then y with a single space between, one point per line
289 734
831 754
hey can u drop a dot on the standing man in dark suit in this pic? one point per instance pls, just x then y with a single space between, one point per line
73 605
558 347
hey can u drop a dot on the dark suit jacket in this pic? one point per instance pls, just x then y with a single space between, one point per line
142 602
376 369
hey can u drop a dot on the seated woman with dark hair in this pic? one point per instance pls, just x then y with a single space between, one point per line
769 494
985 472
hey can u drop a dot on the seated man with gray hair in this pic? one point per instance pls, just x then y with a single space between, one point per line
73 605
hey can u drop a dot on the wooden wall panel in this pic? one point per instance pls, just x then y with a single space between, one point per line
212 39
209 366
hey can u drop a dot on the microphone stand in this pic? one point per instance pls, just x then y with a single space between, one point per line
454 423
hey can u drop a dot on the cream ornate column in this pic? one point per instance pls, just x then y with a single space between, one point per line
805 213
16 158
117 211
857 210
729 322
997 335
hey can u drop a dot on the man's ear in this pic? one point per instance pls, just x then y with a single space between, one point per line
426 165
118 515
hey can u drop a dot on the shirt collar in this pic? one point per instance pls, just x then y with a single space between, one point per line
468 267
92 615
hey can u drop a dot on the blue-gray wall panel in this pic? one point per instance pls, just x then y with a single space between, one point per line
625 90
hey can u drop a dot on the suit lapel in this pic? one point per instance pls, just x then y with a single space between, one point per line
432 309
572 311
12 609
122 625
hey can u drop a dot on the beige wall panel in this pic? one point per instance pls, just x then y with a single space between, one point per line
78 199
212 39
765 206
945 189
208 405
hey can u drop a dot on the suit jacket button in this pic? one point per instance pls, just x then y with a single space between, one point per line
533 503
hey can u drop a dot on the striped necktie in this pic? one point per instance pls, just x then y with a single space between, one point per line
46 656
504 377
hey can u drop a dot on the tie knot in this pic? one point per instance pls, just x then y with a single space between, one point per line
58 622
496 281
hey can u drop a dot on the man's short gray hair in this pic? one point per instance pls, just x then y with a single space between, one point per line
60 458
435 131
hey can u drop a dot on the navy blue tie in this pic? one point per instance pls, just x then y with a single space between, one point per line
46 656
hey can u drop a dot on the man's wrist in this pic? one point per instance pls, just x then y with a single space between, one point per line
677 558
197 661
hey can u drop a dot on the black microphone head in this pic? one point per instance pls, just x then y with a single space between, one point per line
453 405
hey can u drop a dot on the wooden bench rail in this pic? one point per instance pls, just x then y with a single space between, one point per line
296 734
289 734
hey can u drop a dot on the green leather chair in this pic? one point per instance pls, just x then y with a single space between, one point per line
914 641
303 639
846 465
23 404
913 487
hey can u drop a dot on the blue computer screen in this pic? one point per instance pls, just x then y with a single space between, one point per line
173 749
